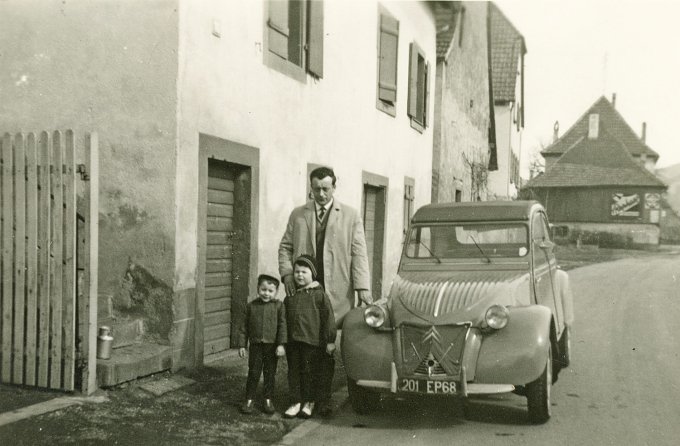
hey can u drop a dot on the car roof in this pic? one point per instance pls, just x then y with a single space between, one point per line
476 211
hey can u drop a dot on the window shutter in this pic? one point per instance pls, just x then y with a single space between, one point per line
315 38
413 81
426 105
278 27
387 67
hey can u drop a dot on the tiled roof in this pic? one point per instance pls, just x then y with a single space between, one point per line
603 161
446 16
507 45
610 119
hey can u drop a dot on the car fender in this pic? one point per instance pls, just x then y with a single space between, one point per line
366 352
565 295
516 354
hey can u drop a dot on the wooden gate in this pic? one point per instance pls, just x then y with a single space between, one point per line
48 264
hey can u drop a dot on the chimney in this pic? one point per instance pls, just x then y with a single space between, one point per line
593 126
614 100
556 131
643 137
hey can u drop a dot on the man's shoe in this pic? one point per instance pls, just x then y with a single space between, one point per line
268 407
248 407
307 410
292 411
325 410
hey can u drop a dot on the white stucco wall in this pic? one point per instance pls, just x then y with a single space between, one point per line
508 141
226 90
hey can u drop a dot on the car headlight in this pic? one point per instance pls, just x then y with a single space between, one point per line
497 316
374 316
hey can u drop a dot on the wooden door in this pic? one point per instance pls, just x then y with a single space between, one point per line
226 254
374 227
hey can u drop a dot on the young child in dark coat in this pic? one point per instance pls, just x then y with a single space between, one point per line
264 331
311 333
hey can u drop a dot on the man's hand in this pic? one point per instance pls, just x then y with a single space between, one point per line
330 348
289 283
365 296
242 352
280 351
381 301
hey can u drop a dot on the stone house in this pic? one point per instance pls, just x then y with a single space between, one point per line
479 102
462 119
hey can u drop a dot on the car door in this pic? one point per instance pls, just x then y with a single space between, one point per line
544 265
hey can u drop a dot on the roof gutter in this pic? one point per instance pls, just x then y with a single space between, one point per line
493 154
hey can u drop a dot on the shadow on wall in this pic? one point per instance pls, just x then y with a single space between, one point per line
142 295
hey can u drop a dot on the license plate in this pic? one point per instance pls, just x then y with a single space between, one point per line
426 386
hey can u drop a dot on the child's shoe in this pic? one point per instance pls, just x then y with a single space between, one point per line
307 410
268 407
292 411
248 407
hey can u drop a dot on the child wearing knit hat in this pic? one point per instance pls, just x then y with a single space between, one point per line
311 333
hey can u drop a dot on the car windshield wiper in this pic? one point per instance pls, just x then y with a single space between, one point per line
430 251
488 259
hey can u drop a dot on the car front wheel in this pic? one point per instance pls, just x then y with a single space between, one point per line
363 400
538 394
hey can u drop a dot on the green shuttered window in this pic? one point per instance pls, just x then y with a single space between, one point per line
294 34
418 87
387 59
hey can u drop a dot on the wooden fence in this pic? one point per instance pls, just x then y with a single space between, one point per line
48 283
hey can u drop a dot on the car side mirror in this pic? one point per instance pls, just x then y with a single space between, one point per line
546 245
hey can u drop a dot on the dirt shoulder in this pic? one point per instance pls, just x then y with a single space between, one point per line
570 257
204 411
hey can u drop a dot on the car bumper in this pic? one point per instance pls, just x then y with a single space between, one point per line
465 389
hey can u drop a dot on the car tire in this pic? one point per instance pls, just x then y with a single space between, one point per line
538 394
565 347
363 400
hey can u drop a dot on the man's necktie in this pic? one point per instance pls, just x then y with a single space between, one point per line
322 211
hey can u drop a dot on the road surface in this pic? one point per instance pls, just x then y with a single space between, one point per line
623 386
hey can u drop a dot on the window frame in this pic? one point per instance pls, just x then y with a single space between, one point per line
419 86
409 202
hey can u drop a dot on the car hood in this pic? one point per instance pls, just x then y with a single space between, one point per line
455 296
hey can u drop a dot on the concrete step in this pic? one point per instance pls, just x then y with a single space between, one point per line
126 331
133 361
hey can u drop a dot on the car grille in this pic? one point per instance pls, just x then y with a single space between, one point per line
434 350
430 367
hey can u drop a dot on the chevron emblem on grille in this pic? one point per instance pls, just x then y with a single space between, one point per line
432 335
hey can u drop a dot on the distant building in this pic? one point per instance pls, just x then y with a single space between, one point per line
611 119
597 181
506 49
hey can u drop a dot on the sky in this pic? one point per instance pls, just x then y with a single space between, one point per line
580 50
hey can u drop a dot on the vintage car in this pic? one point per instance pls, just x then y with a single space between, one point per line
478 306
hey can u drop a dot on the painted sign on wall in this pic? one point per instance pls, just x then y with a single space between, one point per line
652 201
625 205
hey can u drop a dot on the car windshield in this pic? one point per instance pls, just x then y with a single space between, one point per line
468 241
